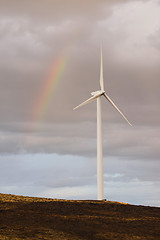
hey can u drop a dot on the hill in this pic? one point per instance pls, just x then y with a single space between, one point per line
42 218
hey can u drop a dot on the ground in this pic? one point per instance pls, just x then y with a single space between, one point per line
41 218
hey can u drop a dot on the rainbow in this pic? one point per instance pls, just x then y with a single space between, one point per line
44 98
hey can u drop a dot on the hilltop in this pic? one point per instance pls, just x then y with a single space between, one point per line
43 218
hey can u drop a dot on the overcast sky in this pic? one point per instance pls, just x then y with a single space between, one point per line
55 156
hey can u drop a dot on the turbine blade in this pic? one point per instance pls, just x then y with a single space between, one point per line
101 72
117 109
87 101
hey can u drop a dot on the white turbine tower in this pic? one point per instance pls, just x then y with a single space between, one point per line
97 95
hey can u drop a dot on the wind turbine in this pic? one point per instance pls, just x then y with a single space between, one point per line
97 95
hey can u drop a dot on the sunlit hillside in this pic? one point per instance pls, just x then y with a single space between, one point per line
40 218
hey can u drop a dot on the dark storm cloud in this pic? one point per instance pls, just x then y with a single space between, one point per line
27 49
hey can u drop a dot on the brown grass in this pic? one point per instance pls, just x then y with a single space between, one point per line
42 218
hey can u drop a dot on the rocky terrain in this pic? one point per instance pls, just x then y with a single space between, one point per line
41 218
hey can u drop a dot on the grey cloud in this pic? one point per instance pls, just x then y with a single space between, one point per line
121 141
154 40
53 10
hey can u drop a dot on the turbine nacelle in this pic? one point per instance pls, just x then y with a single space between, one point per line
99 92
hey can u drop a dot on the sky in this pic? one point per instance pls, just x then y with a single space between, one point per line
50 63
